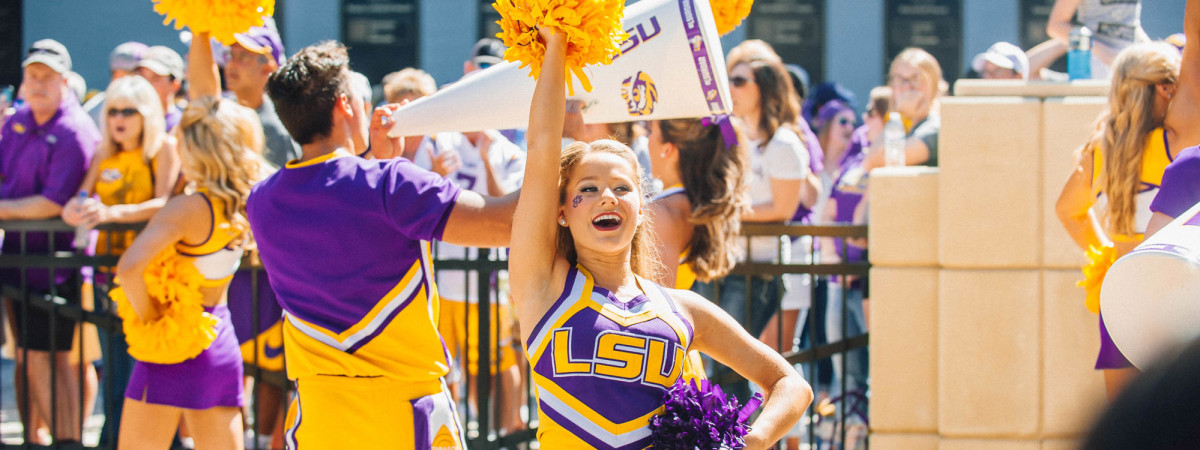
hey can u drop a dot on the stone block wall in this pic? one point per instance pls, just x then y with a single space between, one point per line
979 336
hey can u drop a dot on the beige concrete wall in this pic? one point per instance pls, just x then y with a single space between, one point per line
989 185
979 336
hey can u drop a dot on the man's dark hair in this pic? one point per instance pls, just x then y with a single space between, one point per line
305 89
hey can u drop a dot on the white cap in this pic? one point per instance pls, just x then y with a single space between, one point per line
1005 55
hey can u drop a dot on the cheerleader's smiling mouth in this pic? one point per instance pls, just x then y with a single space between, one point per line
607 221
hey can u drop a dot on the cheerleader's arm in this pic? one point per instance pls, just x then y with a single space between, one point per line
533 248
1074 205
175 222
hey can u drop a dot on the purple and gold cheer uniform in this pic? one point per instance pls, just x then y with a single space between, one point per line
602 366
1156 156
214 377
346 241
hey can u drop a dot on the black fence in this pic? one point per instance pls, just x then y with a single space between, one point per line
823 333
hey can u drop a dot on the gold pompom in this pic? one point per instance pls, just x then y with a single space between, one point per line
592 28
184 329
729 13
1099 260
221 18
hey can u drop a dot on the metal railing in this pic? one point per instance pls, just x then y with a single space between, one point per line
487 402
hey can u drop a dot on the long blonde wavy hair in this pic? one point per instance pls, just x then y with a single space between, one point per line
714 180
643 258
139 92
221 143
1121 132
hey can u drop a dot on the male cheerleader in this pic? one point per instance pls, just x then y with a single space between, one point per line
346 243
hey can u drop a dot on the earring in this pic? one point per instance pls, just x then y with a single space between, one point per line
562 221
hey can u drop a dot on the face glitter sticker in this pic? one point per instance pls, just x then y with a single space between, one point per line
575 202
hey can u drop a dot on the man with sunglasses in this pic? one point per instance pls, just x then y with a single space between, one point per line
44 153
248 64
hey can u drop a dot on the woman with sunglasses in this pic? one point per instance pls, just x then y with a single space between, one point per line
835 123
134 169
764 100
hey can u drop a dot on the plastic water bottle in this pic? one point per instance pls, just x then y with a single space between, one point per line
82 231
893 141
1079 54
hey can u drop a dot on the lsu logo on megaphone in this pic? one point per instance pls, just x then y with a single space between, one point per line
640 94
636 39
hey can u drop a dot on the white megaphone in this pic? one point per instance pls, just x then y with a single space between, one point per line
1151 296
672 66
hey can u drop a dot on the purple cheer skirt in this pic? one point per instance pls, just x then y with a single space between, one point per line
1110 357
212 378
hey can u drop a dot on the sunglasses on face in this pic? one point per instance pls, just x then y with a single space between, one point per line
739 81
124 112
36 50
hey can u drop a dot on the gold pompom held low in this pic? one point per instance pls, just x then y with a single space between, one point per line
1099 260
184 329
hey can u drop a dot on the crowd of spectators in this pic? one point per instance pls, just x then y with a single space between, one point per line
112 157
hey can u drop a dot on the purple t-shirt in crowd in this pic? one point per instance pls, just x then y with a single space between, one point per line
172 117
848 194
337 233
816 163
858 143
49 160
1180 188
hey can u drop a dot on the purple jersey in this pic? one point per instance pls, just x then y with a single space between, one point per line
49 160
1180 184
601 366
346 243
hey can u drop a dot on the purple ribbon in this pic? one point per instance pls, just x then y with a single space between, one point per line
727 132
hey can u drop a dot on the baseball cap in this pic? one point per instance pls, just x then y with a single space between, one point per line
800 79
1177 40
1005 55
126 56
51 53
263 40
163 61
487 52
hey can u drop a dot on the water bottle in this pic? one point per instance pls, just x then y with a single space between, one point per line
82 231
893 141
1079 54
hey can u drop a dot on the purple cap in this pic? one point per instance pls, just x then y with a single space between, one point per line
264 41
126 56
830 110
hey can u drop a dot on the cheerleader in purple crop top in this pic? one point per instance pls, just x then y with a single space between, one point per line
605 343
174 279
